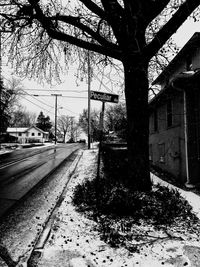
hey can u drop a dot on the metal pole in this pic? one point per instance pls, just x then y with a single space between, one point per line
55 118
99 154
72 128
100 140
89 86
56 95
1 84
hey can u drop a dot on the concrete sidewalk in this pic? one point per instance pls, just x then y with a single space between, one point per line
70 239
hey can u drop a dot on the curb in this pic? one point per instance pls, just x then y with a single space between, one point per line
43 237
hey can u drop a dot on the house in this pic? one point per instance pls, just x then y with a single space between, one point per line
174 124
30 134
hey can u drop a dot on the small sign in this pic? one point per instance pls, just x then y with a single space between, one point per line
105 97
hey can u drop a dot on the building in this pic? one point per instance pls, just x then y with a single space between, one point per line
174 125
30 134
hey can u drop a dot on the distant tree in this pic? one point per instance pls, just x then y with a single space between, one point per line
75 129
94 123
51 135
9 95
63 125
43 122
116 120
20 117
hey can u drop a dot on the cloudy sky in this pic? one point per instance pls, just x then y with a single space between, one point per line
74 93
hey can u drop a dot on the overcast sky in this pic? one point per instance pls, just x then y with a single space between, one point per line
69 87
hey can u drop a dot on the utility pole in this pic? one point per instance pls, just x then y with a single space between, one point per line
72 128
56 103
89 86
1 85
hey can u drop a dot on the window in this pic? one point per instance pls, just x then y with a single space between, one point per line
39 134
169 113
161 151
20 134
155 121
33 134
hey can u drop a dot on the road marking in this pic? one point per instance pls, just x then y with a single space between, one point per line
12 163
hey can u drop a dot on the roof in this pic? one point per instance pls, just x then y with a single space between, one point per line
181 81
23 129
188 49
40 130
184 80
17 129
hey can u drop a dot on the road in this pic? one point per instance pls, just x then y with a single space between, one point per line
22 172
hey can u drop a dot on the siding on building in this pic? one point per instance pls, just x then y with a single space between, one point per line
168 148
167 144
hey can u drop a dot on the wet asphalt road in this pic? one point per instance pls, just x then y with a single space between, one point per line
21 173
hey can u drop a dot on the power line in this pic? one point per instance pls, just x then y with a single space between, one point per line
47 104
36 104
39 100
67 96
101 83
49 90
71 111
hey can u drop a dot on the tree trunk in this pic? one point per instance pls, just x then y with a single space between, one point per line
136 93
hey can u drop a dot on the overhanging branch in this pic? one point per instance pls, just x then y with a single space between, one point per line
94 8
54 33
170 27
114 53
75 21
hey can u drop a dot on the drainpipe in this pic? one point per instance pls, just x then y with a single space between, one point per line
188 184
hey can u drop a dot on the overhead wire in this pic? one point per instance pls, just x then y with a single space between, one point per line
36 104
47 104
38 100
53 90
67 96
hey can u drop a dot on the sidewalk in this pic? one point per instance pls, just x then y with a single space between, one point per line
73 241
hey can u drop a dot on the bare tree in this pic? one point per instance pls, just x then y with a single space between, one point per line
9 96
115 119
63 126
94 123
112 29
20 117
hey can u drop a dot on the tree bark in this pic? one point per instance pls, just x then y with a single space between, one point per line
136 93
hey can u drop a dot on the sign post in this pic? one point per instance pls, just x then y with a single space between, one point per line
104 97
100 140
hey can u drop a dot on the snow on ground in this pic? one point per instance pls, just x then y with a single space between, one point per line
74 234
10 147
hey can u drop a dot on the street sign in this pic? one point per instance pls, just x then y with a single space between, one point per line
105 97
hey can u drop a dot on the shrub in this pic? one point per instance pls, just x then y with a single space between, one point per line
161 205
118 210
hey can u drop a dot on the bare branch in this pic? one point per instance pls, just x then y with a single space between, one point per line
94 8
171 27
